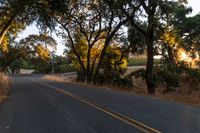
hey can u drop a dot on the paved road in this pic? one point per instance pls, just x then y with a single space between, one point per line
41 106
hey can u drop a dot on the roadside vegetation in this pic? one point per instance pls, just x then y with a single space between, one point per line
4 86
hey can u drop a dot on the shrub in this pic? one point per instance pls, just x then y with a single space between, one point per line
115 80
138 73
64 68
194 73
182 67
167 77
80 76
160 76
125 82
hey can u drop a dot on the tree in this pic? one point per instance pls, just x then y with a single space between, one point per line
26 12
32 46
144 16
114 62
147 9
94 20
192 35
173 15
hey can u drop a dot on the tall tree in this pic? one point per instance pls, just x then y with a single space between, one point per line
146 10
96 21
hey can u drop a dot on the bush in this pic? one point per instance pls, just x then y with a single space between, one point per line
115 80
101 78
125 82
160 76
182 67
138 73
194 74
63 68
167 77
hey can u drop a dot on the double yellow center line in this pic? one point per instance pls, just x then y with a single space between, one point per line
142 127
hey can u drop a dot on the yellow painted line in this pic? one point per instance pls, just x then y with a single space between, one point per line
142 127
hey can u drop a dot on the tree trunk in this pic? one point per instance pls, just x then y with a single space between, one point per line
92 67
100 63
150 62
107 42
88 78
5 29
171 58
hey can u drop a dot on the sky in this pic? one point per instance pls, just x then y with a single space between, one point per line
32 29
195 6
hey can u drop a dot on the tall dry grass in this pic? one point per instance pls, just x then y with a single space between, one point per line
183 93
4 86
60 78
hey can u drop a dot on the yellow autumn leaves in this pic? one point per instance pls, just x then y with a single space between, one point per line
170 37
42 52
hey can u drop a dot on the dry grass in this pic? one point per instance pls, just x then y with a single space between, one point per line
54 78
4 86
60 78
190 99
183 93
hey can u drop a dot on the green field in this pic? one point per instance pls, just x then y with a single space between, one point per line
139 61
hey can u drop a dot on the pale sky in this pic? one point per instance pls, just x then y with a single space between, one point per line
33 30
195 4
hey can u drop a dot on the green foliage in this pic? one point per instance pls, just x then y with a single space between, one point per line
20 64
61 65
138 73
137 44
182 67
167 77
114 60
33 46
195 74
63 68
125 82
160 76
116 80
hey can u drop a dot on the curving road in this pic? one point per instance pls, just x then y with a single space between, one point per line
40 106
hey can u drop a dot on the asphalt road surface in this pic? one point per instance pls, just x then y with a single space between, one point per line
40 106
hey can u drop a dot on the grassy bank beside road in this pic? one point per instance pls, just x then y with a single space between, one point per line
4 86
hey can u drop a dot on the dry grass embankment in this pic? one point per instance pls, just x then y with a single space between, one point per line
183 93
67 78
54 78
4 86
